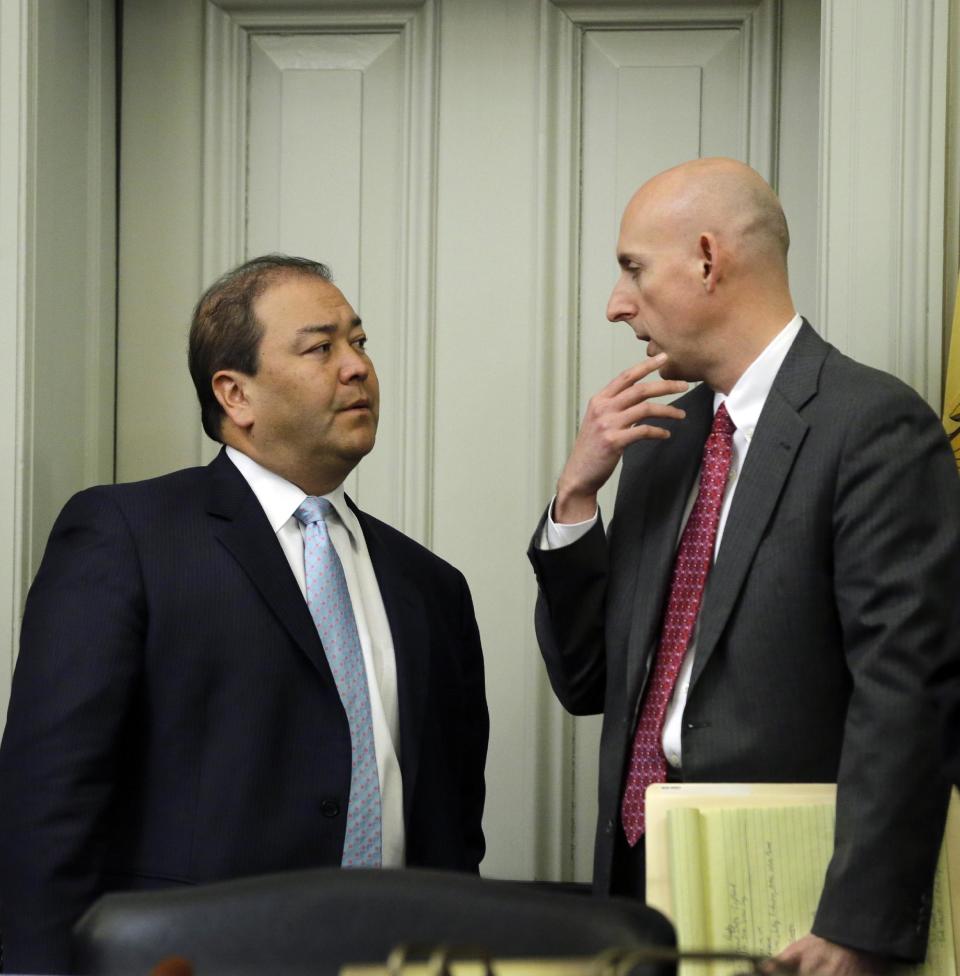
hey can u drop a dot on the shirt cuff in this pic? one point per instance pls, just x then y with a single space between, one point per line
554 536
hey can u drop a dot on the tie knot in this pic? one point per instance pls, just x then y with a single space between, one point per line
722 424
313 509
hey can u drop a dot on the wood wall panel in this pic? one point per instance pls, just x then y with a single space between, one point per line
882 176
683 81
57 278
329 112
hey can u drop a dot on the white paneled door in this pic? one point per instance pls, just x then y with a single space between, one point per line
461 166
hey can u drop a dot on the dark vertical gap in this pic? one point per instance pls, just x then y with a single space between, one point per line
118 104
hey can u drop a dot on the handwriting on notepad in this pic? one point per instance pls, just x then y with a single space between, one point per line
773 900
736 929
761 873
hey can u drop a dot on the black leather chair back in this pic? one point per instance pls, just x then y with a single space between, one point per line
316 921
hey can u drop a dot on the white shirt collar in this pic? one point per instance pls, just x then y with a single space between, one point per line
280 498
749 394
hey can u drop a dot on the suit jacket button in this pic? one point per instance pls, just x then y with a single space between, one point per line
329 808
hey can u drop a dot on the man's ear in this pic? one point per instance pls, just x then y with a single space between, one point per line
230 389
711 270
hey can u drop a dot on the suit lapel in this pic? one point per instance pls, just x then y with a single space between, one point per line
241 526
653 528
776 441
407 616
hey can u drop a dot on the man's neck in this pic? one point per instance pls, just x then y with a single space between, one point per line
745 343
311 481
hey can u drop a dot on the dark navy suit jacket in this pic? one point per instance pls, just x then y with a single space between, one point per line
174 720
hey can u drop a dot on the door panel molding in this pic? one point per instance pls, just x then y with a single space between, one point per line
883 112
231 28
563 27
57 278
347 15
569 746
16 274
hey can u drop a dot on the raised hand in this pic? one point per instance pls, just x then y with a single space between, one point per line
614 419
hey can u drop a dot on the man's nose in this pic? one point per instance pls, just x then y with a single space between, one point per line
355 366
620 307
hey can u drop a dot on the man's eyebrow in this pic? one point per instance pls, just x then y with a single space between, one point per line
327 328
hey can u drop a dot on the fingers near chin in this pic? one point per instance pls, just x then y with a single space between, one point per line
645 412
636 372
640 432
632 374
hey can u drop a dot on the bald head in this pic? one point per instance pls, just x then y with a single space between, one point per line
703 258
723 197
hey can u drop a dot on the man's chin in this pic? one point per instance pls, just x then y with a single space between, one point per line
360 446
671 371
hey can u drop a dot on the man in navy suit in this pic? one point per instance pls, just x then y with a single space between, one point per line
174 717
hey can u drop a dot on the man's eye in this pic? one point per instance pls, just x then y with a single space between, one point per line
360 342
320 347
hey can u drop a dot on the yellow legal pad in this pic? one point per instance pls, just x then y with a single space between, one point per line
740 867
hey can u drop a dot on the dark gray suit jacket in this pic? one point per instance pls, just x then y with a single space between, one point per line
827 605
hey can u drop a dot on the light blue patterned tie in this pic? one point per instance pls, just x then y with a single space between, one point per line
332 612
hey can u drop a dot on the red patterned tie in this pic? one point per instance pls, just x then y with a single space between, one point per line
694 557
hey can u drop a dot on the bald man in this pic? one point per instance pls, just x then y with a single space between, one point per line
778 572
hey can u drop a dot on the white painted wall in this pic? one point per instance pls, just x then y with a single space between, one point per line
163 80
69 403
883 112
14 248
57 246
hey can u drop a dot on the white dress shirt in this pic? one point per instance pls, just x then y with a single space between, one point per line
744 405
280 499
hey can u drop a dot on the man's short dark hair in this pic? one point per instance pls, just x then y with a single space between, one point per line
224 332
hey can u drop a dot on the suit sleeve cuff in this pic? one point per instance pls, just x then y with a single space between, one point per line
557 536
